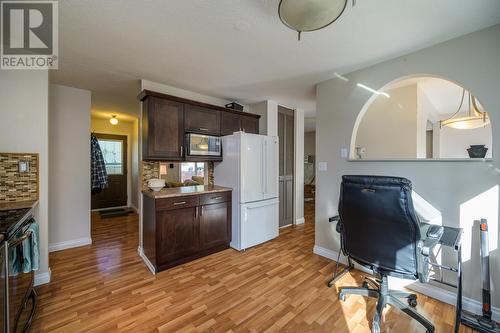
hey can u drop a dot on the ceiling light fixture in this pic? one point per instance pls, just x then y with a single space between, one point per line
310 15
474 118
113 120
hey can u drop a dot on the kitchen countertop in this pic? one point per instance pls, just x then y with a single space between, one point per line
6 205
173 192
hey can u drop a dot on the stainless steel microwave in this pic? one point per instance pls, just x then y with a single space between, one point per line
203 145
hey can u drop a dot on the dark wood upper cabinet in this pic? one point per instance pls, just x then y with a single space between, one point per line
198 119
230 123
162 129
215 226
167 118
250 124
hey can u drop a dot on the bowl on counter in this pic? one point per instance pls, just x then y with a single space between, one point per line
156 184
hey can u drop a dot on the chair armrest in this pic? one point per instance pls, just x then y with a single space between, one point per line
336 218
431 235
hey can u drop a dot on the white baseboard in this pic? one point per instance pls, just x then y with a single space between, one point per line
300 220
146 260
42 278
70 244
429 290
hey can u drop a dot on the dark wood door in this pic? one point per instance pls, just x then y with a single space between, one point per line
286 165
163 129
230 123
114 151
250 124
215 226
198 119
177 234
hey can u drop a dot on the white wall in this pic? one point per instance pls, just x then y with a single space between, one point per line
456 189
268 112
453 143
24 126
128 129
69 174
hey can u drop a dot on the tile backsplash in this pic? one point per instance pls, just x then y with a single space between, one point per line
16 186
151 169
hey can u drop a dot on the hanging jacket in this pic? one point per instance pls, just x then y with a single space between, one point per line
98 174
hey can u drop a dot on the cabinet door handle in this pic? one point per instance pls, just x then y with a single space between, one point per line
182 149
179 203
201 211
216 198
203 129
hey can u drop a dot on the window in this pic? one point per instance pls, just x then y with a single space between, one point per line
190 169
112 153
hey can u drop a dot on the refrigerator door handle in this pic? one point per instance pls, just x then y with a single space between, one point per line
266 166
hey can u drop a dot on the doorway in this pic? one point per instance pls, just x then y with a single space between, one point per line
114 151
286 134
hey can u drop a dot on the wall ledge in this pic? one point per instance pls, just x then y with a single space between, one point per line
70 244
429 290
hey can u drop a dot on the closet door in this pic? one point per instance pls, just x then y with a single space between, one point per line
286 165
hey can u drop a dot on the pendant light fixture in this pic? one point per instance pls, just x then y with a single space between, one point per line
310 15
474 118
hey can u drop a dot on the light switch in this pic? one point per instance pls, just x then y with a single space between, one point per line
24 166
322 166
343 153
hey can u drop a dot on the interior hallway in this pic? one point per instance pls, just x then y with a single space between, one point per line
277 286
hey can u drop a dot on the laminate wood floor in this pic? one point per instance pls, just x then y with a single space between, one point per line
279 286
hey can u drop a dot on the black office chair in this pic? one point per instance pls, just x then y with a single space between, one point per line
380 231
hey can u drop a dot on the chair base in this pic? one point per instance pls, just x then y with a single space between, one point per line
379 289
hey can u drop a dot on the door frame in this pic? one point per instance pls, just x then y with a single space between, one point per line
125 157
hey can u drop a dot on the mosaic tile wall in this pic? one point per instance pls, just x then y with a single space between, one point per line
15 186
151 169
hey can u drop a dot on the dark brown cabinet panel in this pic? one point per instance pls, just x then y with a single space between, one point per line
200 119
163 129
182 228
214 227
177 234
230 123
250 124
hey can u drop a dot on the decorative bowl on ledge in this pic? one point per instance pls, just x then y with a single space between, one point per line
477 151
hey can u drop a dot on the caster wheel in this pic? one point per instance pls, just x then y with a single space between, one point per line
412 301
342 297
365 285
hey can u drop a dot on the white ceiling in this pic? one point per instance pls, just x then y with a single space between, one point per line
239 49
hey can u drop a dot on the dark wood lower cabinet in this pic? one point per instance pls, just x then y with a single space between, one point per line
181 229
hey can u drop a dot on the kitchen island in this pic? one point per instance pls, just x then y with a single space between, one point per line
185 223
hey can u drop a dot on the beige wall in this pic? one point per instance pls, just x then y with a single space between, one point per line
388 129
461 191
130 130
69 174
24 128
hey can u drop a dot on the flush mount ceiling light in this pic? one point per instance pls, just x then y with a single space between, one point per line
113 120
474 118
310 15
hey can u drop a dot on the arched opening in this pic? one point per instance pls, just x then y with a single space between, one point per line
421 117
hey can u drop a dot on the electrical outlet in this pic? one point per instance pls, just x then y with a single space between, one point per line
24 166
322 166
343 153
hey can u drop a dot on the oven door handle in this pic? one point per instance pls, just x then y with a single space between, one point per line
21 239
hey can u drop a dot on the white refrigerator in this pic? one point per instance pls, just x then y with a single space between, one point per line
250 166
